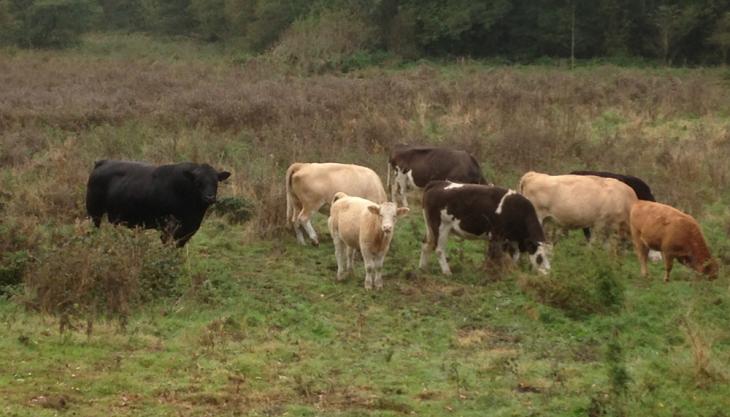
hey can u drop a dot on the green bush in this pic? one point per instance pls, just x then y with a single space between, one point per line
330 40
46 23
584 280
15 245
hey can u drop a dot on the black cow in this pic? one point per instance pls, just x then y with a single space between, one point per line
642 190
416 166
502 216
171 198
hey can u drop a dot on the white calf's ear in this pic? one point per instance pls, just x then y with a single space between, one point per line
374 209
402 211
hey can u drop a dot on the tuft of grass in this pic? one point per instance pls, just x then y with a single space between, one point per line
584 280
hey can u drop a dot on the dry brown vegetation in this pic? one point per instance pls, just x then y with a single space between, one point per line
59 113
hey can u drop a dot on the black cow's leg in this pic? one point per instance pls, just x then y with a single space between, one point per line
587 233
95 209
185 231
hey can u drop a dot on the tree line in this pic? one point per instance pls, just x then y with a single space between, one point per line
679 32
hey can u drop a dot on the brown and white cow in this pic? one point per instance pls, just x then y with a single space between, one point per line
416 166
580 201
675 234
359 224
309 186
471 211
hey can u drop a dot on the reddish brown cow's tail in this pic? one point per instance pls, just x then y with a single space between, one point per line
290 197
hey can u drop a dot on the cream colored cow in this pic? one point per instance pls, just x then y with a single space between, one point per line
309 186
580 201
359 224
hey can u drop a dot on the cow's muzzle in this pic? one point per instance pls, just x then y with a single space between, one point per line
210 199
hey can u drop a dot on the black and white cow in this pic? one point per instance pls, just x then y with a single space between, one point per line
641 188
416 166
481 212
170 198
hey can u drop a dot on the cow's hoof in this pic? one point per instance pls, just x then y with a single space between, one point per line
315 243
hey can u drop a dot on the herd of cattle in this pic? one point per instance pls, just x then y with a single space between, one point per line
456 199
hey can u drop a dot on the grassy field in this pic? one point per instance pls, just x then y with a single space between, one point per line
254 324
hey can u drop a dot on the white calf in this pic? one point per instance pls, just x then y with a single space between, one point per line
357 223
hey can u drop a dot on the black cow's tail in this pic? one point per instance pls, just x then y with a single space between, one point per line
290 197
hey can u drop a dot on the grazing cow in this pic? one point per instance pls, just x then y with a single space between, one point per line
171 198
675 234
309 186
642 190
580 201
359 224
416 166
481 212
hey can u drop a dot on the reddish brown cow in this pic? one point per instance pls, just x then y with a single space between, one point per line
675 234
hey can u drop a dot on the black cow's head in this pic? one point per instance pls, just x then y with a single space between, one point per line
206 179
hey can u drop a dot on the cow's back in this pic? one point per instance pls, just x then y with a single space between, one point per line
322 180
663 227
579 200
641 188
428 164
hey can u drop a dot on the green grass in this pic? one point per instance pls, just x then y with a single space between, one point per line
274 334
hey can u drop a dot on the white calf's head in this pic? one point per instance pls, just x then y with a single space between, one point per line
388 214
539 258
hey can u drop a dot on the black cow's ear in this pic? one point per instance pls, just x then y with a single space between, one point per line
223 175
189 174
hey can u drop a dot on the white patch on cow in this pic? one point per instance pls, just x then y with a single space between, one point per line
409 176
655 256
453 185
455 225
542 254
501 202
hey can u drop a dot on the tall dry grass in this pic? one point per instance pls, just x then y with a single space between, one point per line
58 114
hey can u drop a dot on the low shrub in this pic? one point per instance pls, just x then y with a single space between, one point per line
87 274
16 241
235 210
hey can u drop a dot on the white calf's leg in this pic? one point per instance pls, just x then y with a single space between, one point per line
441 248
379 271
369 271
350 258
341 255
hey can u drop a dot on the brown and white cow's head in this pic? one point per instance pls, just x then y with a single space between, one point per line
388 213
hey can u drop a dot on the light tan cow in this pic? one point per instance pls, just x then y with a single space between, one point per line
359 224
580 201
675 234
309 186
